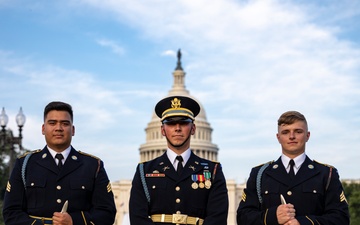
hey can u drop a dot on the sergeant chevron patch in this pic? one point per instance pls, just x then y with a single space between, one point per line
108 187
342 197
243 196
8 187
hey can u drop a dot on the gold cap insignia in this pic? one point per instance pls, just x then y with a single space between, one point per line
176 103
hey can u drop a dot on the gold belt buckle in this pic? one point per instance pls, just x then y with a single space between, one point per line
179 218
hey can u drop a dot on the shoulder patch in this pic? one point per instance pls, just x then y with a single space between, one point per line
324 164
87 154
29 152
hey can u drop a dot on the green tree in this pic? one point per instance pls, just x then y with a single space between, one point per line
9 151
4 174
352 191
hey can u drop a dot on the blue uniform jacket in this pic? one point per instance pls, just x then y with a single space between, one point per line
171 193
82 181
316 193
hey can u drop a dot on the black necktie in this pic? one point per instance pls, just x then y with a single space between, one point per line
60 157
291 172
180 166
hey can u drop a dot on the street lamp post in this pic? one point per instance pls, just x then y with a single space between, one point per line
7 137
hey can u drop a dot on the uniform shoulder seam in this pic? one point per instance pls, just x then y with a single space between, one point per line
324 164
87 154
29 152
270 162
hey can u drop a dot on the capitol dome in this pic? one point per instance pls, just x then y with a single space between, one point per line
201 142
155 145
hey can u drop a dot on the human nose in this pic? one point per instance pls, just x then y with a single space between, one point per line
58 126
292 135
177 126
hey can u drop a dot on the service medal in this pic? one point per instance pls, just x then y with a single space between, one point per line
207 176
207 184
201 179
194 178
201 185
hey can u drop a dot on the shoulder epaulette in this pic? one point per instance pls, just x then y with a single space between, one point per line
270 162
97 158
87 154
29 152
324 164
330 172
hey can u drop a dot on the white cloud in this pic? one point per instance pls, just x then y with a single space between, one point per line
246 61
117 49
168 53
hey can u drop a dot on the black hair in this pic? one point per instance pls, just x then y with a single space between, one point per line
59 106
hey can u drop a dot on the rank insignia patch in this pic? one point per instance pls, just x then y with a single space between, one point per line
342 197
108 187
243 197
8 187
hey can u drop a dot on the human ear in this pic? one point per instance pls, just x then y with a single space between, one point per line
163 131
193 129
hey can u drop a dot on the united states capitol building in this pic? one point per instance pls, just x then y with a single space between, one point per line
155 145
201 144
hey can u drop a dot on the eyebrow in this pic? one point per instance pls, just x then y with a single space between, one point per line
61 121
296 129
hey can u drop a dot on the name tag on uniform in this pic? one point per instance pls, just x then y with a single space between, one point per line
155 175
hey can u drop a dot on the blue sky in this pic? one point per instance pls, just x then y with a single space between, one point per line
246 61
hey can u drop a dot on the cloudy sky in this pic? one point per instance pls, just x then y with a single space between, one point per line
247 61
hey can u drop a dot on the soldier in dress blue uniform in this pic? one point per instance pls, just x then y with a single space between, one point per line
67 189
294 189
174 190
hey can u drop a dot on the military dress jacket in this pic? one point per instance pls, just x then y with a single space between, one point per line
316 193
82 181
186 194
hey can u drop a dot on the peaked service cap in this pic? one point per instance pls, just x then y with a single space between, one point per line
180 106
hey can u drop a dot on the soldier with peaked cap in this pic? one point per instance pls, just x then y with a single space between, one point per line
293 190
58 185
178 187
